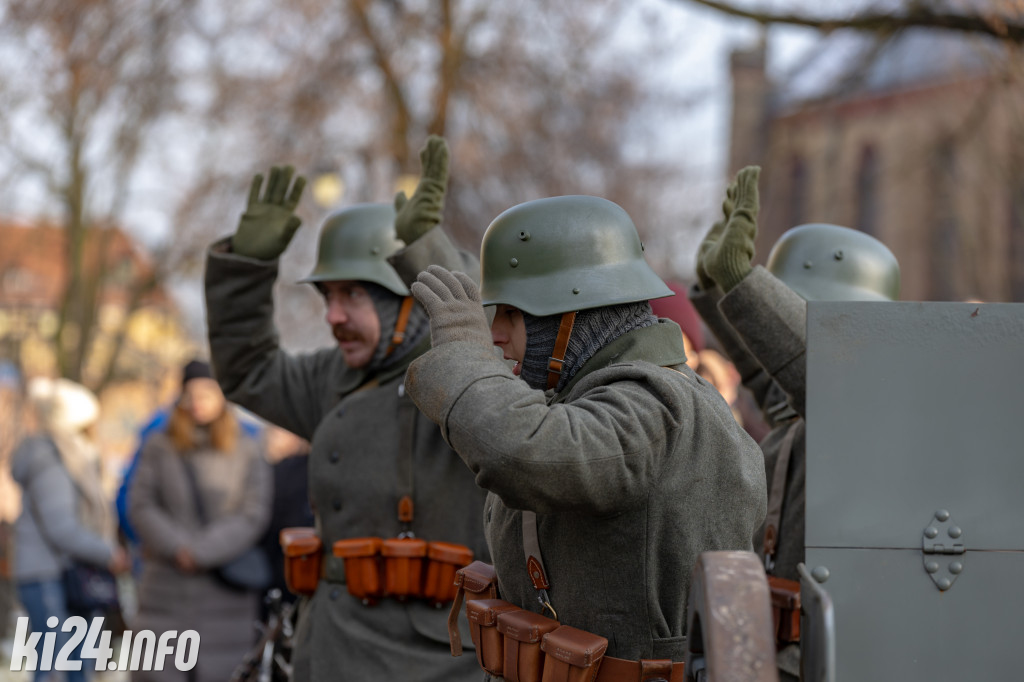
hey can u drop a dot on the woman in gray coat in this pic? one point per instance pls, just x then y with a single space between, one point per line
64 515
182 545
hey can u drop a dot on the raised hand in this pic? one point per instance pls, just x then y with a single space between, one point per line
712 237
416 216
269 222
730 258
452 300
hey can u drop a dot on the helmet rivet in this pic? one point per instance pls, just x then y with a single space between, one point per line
524 236
575 290
808 265
514 262
838 255
375 251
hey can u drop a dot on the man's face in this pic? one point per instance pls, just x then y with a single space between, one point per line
508 331
353 319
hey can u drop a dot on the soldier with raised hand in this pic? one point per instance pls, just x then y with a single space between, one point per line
609 463
381 476
759 316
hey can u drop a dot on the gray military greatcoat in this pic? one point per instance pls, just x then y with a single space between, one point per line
760 324
635 468
365 432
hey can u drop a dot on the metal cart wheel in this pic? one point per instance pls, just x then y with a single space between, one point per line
730 635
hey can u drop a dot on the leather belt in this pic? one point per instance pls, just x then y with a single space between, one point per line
622 670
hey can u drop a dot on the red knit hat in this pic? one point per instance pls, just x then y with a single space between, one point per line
679 309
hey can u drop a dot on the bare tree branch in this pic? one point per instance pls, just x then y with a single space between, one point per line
917 15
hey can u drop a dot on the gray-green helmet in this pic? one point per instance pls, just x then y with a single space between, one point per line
563 254
355 243
832 263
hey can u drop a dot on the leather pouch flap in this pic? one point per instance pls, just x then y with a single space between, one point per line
477 577
356 547
525 626
449 553
299 541
573 646
404 547
485 611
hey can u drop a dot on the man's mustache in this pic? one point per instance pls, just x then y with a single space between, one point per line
342 334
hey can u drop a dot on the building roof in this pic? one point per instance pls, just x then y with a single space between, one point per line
850 64
33 269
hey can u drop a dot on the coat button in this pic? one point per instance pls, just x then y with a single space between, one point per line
340 413
334 457
336 505
334 594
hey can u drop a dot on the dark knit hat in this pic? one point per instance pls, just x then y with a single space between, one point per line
196 369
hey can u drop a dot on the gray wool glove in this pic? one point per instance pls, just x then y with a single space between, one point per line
712 237
452 300
416 216
729 260
269 222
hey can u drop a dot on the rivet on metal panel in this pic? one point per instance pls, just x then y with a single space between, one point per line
820 574
938 556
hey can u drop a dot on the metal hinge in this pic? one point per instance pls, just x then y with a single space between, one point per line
942 545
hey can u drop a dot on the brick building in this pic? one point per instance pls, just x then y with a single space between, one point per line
917 140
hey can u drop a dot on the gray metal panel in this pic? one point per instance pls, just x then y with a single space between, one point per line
893 624
915 407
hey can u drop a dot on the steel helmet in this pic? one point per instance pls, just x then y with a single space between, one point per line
355 243
564 254
832 263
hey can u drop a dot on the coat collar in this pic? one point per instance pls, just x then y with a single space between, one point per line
660 344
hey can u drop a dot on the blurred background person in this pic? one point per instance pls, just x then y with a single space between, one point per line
289 457
65 517
199 499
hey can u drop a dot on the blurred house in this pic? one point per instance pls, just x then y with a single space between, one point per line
142 330
916 139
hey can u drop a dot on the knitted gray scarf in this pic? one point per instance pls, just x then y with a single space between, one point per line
593 330
387 305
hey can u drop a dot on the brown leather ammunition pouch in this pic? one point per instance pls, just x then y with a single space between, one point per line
362 567
572 655
785 609
483 627
522 632
403 566
443 560
479 581
302 559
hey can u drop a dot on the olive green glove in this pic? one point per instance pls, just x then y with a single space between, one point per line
452 301
712 237
728 261
268 224
416 216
